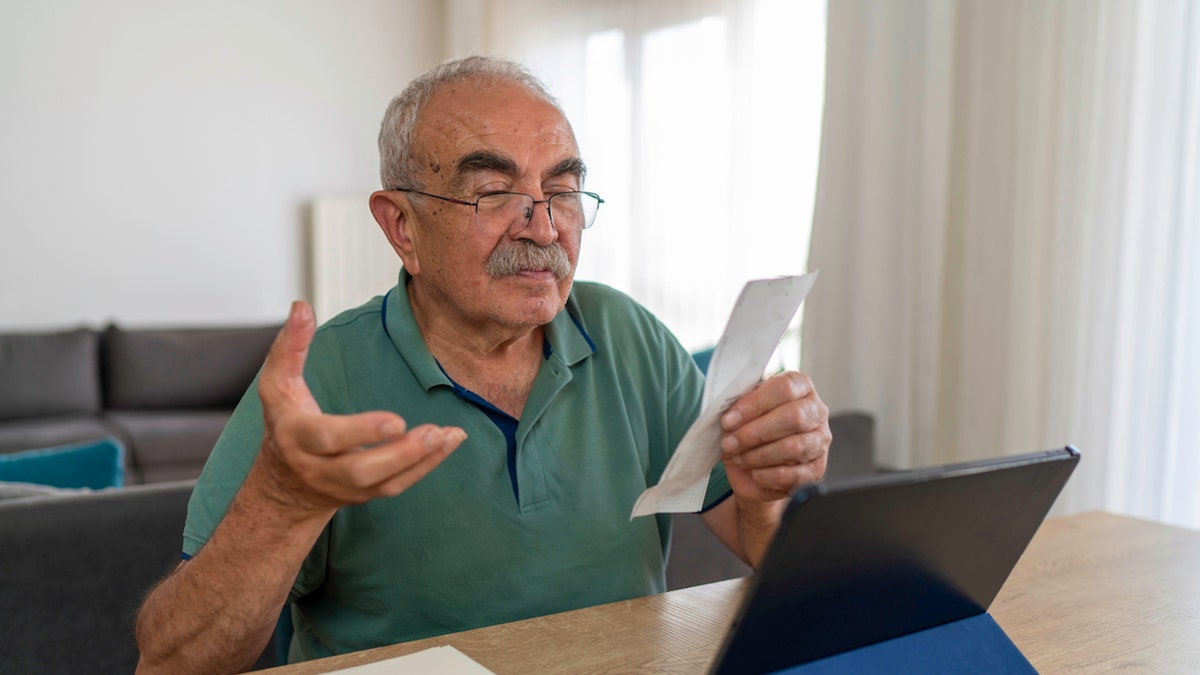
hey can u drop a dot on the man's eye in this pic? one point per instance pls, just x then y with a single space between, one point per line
488 192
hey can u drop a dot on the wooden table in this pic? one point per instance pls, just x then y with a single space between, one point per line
1097 593
1094 592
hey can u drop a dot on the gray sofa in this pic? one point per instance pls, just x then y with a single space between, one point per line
165 394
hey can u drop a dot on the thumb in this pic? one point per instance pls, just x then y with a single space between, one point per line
283 372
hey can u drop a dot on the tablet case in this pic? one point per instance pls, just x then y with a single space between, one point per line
975 645
895 567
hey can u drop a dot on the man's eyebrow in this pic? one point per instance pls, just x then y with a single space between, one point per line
484 160
571 166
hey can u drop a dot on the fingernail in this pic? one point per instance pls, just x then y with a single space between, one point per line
299 311
731 419
729 443
392 428
434 439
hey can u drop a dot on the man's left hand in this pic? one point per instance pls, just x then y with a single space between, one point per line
776 438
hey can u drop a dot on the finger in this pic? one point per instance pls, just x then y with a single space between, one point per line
334 434
789 419
409 477
283 373
767 396
793 450
411 456
780 481
381 463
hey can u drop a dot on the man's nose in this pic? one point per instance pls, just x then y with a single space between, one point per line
538 227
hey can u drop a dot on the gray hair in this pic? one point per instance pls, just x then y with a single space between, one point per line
397 166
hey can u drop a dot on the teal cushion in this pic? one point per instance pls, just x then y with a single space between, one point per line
92 464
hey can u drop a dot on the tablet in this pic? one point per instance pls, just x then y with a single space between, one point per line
867 560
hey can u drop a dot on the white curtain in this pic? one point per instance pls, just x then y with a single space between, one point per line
1008 230
699 121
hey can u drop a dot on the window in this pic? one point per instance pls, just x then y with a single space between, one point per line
700 124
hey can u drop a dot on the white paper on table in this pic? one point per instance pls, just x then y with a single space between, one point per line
759 318
445 660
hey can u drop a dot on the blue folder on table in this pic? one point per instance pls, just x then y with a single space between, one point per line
895 573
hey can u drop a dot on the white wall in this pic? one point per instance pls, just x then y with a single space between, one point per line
157 158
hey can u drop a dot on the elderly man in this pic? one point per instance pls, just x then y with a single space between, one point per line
334 488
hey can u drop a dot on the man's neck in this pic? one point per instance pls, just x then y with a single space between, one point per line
497 362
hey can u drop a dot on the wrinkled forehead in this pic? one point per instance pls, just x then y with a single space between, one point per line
467 116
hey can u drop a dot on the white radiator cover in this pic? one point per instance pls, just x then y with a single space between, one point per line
351 259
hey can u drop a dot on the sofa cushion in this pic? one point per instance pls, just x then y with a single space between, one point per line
94 464
169 444
186 368
49 373
43 432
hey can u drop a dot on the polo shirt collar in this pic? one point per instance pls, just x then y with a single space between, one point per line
566 336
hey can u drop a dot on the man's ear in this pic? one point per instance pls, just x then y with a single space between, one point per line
393 212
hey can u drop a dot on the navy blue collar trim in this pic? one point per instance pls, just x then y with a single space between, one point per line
582 332
503 421
383 312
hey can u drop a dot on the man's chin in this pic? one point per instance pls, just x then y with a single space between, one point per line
543 300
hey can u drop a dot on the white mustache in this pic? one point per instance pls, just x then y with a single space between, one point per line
524 255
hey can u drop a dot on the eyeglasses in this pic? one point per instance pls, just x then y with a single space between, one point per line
568 211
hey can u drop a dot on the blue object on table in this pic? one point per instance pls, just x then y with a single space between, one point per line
974 645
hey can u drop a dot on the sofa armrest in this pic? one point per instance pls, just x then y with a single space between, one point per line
852 452
75 570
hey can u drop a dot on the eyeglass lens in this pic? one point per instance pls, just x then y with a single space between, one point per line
568 210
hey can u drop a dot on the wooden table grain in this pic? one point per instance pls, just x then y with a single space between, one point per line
1097 592
1094 592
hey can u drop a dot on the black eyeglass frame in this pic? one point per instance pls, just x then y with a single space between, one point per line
546 201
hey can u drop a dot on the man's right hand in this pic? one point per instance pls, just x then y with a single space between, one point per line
215 612
313 462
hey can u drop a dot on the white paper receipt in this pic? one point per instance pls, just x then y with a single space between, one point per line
443 660
761 315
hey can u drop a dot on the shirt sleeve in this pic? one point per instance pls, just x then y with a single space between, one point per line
224 472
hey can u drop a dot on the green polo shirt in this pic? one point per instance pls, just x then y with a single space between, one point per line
487 537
